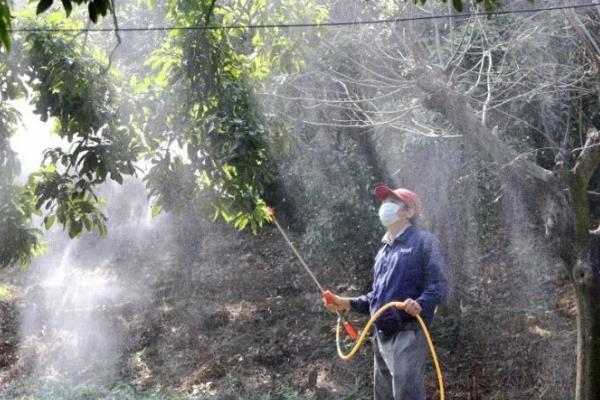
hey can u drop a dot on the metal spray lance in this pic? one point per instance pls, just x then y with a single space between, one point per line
327 296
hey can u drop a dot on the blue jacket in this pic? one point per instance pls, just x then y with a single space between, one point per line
412 266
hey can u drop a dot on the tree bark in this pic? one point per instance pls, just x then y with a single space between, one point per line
585 273
582 172
587 292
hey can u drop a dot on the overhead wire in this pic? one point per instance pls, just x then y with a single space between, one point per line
309 24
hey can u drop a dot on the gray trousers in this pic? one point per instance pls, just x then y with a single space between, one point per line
399 370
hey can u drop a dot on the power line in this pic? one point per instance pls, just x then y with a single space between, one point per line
309 24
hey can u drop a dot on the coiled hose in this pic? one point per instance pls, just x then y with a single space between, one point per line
365 332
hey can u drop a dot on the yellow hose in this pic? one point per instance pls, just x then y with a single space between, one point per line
361 340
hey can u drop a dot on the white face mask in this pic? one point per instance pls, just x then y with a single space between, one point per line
388 213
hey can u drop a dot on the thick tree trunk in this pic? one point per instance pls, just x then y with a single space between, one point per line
587 292
585 274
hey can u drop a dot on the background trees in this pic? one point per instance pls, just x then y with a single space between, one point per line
513 91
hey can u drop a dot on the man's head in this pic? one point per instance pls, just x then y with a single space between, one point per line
408 201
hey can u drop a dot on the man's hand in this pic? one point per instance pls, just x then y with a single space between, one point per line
334 303
412 308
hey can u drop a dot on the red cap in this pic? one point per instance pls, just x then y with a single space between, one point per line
410 198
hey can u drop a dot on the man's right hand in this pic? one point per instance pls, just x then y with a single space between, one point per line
334 303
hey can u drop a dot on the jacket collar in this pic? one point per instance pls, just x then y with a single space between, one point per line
401 233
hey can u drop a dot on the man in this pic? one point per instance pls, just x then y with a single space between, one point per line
409 267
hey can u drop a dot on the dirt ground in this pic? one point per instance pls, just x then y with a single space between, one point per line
232 303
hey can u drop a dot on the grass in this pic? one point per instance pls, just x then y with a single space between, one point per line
83 392
231 387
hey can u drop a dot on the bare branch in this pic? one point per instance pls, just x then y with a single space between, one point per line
117 35
391 93
455 57
589 158
489 90
585 35
481 64
87 30
443 99
209 13
365 124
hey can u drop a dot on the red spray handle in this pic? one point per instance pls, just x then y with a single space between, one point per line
350 330
329 299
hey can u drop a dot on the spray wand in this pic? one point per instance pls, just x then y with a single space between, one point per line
327 296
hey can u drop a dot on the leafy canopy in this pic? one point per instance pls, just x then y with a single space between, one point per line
98 8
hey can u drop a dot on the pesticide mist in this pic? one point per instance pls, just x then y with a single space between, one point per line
71 327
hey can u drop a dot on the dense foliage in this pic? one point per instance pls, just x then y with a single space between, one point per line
207 146
72 88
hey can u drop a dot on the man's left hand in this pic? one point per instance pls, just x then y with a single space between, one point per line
412 308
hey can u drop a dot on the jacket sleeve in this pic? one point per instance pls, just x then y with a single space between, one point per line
436 276
361 303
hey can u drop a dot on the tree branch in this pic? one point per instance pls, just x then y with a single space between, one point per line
580 175
454 106
117 35
589 158
209 13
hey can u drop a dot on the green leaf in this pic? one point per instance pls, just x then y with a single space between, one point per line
4 35
115 176
4 24
101 228
67 6
241 222
49 221
87 207
87 223
93 11
155 210
4 292
458 6
491 5
101 171
75 228
40 203
102 7
43 5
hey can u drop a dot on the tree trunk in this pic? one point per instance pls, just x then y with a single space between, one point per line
585 274
587 292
